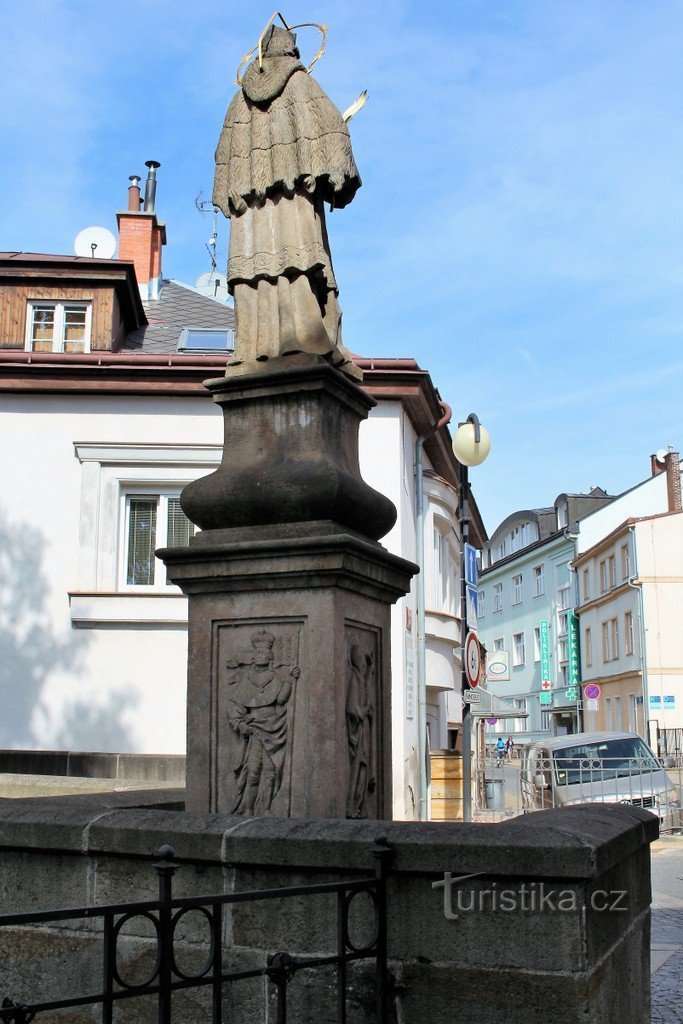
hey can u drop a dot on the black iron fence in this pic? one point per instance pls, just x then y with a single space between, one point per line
166 976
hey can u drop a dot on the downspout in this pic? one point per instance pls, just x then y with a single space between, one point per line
643 649
421 651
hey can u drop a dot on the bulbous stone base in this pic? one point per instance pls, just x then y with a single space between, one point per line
290 452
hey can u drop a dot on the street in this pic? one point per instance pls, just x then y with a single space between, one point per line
667 931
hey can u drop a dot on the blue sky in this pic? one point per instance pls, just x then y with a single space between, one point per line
520 228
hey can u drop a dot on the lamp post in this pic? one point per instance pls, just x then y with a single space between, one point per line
471 445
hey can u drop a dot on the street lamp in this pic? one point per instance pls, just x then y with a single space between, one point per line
471 445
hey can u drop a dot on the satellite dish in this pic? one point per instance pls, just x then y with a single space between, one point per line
661 455
97 243
213 285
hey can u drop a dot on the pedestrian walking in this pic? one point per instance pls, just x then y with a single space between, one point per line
509 748
500 751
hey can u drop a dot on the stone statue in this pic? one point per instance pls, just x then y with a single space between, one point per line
258 694
359 717
283 153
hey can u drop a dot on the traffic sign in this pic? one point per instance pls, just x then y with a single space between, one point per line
472 606
471 574
472 659
592 705
492 721
545 697
592 691
471 696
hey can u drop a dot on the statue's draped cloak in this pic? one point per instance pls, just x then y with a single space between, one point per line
269 147
284 151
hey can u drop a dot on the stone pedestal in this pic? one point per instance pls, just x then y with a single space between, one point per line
289 638
289 678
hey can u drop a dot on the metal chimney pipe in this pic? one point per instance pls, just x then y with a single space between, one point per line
134 193
151 185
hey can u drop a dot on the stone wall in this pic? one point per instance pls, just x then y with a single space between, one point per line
530 938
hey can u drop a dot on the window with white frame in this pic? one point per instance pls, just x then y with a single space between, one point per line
499 644
58 326
151 521
545 721
564 596
497 597
537 643
612 566
628 632
518 652
481 604
606 642
614 625
586 585
625 562
561 516
444 566
563 649
517 589
539 580
129 507
562 623
603 576
610 640
588 646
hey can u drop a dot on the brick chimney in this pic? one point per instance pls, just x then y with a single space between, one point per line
142 235
672 462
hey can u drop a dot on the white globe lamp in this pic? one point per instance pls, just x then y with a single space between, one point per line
471 443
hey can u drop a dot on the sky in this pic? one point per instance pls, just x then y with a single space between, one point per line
520 227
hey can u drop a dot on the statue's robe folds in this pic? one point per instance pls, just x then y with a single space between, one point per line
284 151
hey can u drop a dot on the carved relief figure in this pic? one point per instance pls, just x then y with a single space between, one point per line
360 712
283 153
258 692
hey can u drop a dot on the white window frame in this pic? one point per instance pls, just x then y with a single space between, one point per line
604 585
586 584
499 643
481 604
539 580
612 566
162 495
59 307
625 562
537 644
588 645
517 582
518 650
109 471
628 633
497 597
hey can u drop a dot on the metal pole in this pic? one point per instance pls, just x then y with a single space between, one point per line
421 656
464 685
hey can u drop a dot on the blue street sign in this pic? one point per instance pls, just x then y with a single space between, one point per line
472 607
471 575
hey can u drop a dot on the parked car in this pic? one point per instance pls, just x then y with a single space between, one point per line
602 767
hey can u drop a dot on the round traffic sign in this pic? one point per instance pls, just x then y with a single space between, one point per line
472 659
491 721
591 691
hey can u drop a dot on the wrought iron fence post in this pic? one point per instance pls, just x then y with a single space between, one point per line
165 869
382 853
281 969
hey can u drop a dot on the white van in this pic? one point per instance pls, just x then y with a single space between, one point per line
603 767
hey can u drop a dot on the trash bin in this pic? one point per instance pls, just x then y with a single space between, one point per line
495 794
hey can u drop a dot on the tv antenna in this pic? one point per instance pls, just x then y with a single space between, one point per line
95 243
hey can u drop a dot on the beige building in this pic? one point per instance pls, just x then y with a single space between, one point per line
630 585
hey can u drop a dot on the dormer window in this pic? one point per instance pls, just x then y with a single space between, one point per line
204 339
58 326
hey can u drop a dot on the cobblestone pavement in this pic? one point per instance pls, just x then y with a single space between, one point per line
667 932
